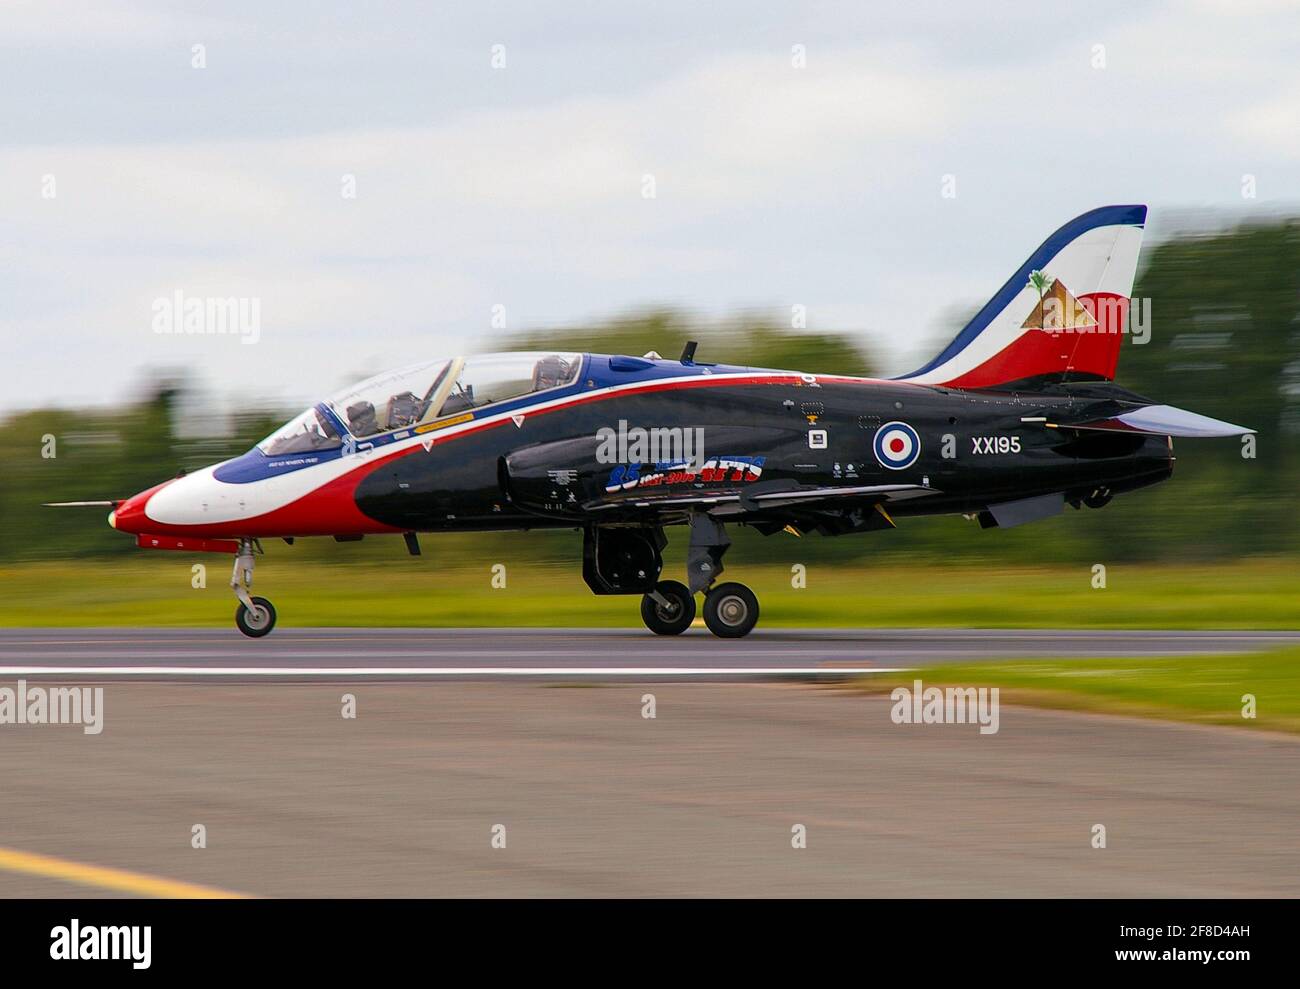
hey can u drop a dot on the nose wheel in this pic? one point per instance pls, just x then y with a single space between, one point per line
255 617
257 621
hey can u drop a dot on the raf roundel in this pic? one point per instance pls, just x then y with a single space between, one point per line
896 445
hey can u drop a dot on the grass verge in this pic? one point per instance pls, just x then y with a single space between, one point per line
1198 689
158 589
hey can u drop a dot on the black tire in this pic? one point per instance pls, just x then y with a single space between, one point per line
730 610
674 620
1099 498
257 625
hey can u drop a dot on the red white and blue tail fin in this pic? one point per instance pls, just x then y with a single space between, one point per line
1061 316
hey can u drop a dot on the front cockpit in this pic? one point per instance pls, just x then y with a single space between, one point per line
421 393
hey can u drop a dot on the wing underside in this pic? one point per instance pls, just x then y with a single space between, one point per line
737 502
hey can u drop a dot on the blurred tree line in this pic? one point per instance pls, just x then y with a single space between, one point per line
1224 341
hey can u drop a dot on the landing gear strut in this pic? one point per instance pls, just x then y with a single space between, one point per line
255 617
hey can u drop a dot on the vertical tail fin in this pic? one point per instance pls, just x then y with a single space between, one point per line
1061 315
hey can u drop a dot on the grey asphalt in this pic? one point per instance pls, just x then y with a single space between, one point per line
597 800
468 649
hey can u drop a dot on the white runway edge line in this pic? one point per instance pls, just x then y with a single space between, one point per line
442 671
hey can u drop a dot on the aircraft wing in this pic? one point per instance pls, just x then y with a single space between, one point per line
777 495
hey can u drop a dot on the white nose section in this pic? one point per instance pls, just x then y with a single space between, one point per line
200 499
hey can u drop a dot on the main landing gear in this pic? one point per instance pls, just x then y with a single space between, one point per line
669 609
730 609
255 617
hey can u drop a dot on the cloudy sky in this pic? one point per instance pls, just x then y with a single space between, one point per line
128 174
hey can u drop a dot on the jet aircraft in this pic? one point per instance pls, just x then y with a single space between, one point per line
1014 420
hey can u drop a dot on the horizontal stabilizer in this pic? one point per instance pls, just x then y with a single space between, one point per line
1162 420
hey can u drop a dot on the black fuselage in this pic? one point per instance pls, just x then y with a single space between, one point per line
976 449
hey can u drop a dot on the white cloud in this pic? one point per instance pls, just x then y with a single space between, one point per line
1272 126
774 185
101 23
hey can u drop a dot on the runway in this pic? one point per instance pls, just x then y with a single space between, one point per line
597 799
594 654
591 798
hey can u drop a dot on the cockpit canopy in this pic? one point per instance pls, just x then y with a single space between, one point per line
422 393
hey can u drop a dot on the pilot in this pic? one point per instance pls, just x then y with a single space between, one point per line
459 400
549 372
361 419
403 410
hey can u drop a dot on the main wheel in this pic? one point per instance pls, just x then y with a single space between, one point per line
674 619
257 623
730 610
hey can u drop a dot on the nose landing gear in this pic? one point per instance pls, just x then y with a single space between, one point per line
258 621
255 616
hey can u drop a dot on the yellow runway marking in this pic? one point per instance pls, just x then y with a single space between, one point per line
140 883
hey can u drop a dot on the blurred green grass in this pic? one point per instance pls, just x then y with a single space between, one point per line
424 591
1198 689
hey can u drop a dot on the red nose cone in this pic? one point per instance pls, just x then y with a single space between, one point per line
129 516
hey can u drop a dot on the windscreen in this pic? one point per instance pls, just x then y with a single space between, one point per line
306 432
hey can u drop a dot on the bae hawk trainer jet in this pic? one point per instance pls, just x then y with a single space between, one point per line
1016 418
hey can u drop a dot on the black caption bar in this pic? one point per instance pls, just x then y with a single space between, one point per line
157 938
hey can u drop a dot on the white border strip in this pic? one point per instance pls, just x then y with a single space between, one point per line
440 671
